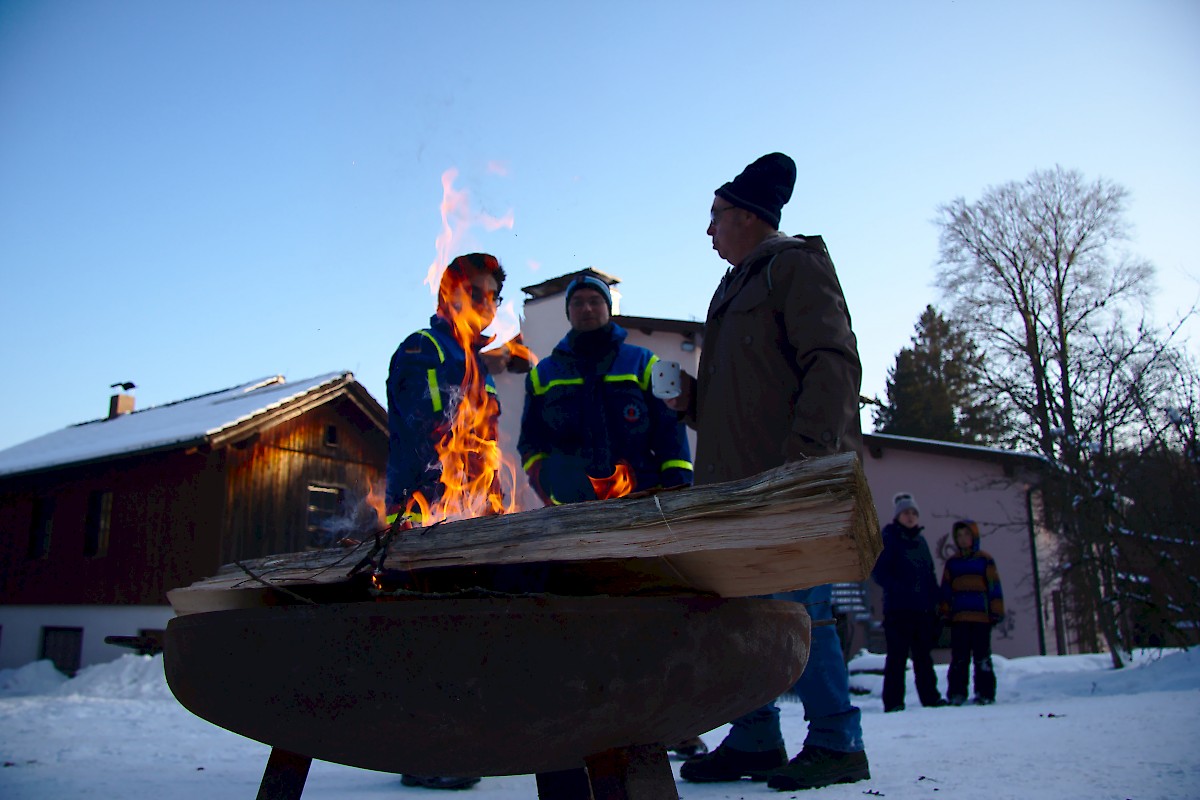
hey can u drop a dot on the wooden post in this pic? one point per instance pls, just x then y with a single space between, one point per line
640 772
284 776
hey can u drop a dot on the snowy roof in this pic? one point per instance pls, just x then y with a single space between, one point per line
954 448
184 422
558 285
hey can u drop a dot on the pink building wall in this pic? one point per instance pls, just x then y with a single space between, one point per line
987 485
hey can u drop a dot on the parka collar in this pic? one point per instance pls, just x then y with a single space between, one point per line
616 334
443 325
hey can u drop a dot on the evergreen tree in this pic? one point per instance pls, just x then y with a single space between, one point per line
934 388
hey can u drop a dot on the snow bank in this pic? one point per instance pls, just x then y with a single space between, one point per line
130 677
40 677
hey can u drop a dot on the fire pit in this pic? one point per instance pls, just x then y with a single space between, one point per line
487 686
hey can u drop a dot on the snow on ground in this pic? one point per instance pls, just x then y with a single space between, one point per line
1063 727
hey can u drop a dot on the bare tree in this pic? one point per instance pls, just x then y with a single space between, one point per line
1029 269
1035 271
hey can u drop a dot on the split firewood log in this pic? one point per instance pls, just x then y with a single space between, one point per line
799 525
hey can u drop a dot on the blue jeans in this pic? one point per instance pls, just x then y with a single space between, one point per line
824 689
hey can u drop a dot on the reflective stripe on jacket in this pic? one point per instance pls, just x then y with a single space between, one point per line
425 377
583 416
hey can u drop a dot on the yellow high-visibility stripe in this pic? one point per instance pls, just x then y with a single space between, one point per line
435 394
533 459
539 389
432 338
676 463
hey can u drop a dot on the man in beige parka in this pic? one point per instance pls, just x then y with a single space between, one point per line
778 381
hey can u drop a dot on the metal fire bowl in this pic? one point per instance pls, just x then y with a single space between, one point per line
493 686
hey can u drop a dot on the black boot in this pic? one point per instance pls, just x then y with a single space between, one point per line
819 766
727 764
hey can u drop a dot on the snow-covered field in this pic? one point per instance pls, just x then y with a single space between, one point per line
1063 727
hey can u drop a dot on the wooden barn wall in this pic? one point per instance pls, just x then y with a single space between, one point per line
267 478
164 531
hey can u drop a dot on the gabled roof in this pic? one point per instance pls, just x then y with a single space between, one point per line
875 442
558 285
209 419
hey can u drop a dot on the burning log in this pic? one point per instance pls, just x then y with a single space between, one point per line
799 525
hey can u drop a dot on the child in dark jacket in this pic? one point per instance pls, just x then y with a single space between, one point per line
972 602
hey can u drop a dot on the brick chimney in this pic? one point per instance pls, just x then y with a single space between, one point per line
120 403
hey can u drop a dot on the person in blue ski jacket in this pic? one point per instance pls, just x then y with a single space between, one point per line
429 374
589 407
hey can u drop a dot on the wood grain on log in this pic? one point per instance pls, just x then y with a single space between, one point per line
799 525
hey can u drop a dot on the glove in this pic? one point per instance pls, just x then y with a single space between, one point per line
534 474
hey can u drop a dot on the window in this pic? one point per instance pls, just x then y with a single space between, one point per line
95 535
41 527
63 646
324 507
331 436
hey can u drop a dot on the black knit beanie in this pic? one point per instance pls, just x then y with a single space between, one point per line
764 187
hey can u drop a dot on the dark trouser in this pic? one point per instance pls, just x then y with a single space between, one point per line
909 633
971 641
824 689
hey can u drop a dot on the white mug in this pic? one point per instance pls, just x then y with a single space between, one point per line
664 380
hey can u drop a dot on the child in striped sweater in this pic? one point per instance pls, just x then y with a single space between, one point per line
972 602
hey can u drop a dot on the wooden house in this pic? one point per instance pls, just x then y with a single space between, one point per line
99 520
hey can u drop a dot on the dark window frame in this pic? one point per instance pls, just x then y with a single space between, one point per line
331 435
57 647
98 525
316 515
41 528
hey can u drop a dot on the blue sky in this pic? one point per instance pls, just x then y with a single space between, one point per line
194 195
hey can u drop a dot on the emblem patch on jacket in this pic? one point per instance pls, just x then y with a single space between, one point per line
632 413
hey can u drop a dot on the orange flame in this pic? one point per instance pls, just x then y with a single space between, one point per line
474 474
518 350
376 501
457 218
619 484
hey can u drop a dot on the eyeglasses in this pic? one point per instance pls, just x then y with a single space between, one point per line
717 212
478 296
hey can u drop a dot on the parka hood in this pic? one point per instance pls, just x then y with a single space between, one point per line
775 243
973 527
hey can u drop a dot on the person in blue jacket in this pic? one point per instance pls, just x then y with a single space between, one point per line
589 407
910 598
432 371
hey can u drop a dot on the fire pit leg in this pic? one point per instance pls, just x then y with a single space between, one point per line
566 784
284 776
640 772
